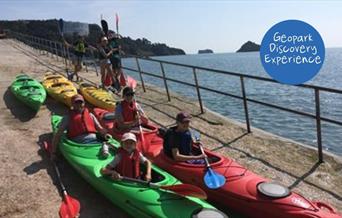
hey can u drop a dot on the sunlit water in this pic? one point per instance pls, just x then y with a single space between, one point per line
296 127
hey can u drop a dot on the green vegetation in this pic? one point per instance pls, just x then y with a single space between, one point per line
48 29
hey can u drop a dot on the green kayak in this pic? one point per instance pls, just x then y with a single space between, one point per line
29 91
136 199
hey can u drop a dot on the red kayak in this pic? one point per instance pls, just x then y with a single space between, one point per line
244 191
126 80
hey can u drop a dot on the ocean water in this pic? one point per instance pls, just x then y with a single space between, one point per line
296 127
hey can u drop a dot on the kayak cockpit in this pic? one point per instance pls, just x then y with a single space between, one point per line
59 85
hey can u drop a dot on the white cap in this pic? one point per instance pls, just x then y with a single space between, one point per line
129 136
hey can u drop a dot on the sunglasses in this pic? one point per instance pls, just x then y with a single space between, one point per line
78 102
129 94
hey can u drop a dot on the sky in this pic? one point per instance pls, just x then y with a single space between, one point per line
222 26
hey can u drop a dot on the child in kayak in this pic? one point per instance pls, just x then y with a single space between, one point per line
128 113
127 161
178 141
81 126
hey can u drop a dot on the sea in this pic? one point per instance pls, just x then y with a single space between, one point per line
285 124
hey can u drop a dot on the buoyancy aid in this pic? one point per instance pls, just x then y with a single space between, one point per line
80 123
80 47
129 164
129 110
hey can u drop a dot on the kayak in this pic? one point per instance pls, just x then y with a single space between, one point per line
109 124
136 199
243 191
28 91
97 96
59 88
131 82
126 80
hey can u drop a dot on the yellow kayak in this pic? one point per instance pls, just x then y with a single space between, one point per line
59 87
97 96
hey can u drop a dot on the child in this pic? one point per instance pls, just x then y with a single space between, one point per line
127 161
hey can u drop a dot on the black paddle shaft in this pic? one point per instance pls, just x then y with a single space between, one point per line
59 177
149 184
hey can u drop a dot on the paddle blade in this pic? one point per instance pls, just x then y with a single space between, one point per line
47 146
104 26
70 207
213 180
61 27
186 190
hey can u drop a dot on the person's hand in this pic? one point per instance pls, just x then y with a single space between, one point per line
135 122
53 156
103 132
116 176
202 156
107 136
144 119
148 177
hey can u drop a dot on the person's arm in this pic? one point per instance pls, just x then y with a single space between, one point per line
66 44
109 169
98 127
57 137
148 164
179 157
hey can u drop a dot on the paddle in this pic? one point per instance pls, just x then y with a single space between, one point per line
179 189
211 179
61 33
61 27
141 131
70 207
104 26
117 23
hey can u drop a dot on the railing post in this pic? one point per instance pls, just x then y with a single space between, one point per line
40 46
140 73
165 82
50 48
198 91
245 104
56 50
318 126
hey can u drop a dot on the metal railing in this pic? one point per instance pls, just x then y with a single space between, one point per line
317 89
59 51
53 49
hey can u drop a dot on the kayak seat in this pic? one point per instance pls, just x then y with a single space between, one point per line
67 90
59 84
30 88
87 85
24 80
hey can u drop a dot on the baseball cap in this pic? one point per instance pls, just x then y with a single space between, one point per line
129 136
77 97
183 117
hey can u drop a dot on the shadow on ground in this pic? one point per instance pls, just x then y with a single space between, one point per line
18 109
93 204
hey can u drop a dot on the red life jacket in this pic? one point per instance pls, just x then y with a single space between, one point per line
129 165
80 123
129 111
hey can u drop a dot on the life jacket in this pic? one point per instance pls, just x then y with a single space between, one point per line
129 111
80 123
129 165
80 47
